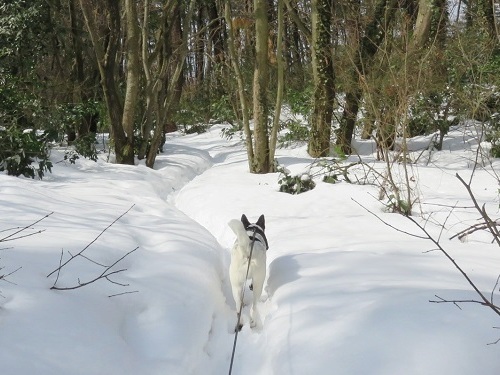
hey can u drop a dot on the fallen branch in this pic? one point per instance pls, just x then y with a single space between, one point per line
61 265
483 298
4 276
11 237
104 275
473 228
457 301
15 236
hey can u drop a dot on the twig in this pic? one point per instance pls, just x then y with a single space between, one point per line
389 225
472 229
456 302
89 244
11 237
4 277
494 288
121 294
482 210
485 301
59 269
104 275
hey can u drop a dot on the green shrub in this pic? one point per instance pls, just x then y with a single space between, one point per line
294 184
493 135
83 146
300 102
296 132
21 150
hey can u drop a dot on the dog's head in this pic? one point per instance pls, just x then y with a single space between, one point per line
258 228
261 223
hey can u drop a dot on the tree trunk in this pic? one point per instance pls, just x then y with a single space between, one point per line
261 162
133 77
423 23
77 69
281 83
241 85
323 76
373 37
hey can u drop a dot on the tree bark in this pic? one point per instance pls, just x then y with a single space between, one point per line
261 163
241 85
323 76
281 83
133 77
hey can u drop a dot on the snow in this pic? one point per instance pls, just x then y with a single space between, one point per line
345 293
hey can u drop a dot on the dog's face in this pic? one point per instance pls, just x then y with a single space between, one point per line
261 222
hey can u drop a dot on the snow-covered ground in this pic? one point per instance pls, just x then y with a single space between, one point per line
345 294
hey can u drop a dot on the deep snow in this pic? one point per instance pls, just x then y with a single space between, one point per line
345 294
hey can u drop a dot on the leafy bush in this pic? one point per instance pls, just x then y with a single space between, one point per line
428 114
196 128
228 132
83 146
19 150
300 102
294 184
222 110
296 132
197 110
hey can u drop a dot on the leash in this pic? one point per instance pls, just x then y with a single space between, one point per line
236 330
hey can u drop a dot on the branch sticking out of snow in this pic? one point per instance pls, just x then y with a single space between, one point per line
108 270
103 275
14 236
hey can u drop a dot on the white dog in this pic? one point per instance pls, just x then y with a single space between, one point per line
247 234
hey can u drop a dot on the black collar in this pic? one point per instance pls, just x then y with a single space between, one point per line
259 234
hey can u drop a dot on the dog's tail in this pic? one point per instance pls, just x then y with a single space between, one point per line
238 229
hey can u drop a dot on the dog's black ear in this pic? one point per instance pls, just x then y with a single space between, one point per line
261 222
245 221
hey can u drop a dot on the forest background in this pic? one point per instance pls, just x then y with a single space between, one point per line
382 69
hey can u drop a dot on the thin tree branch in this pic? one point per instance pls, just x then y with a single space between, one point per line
88 245
120 294
4 277
472 229
389 225
482 210
485 301
104 275
11 237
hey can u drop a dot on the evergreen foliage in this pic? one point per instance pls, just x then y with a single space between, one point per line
294 184
21 151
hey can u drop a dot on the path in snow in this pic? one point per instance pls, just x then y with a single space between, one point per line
226 155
